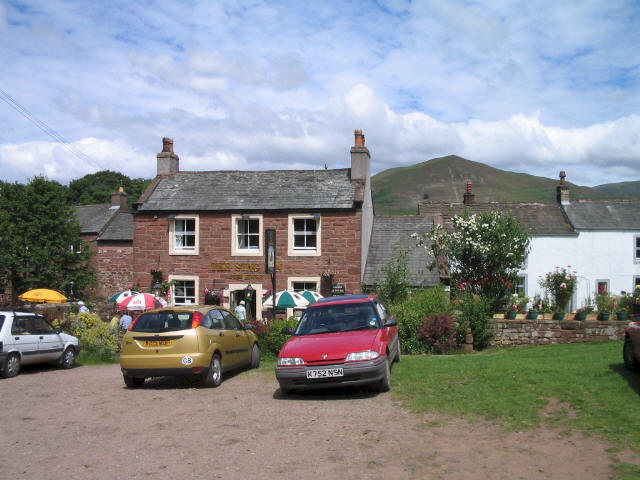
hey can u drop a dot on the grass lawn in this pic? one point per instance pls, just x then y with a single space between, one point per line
592 390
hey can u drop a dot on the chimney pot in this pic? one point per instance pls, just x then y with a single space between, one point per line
563 175
469 186
167 145
469 196
359 138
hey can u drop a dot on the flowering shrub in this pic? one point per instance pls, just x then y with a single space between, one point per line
94 335
560 284
439 332
212 296
484 251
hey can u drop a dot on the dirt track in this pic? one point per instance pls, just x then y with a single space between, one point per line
84 424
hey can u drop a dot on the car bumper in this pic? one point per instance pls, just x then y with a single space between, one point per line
355 373
164 372
3 360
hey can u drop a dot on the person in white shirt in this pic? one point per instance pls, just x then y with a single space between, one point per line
83 308
240 311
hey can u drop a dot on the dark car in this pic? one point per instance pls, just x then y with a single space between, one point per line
343 340
631 348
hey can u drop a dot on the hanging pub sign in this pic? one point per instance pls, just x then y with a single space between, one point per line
337 289
270 251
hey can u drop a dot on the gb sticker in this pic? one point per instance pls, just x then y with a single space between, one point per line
187 360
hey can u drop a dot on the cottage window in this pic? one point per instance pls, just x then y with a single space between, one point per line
247 235
184 290
636 257
304 235
521 284
184 235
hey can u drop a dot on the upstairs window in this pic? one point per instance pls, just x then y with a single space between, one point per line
304 235
184 235
636 250
247 235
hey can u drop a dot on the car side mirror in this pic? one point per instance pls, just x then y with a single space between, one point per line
287 331
391 322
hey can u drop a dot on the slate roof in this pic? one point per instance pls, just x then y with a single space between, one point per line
120 229
260 190
542 219
93 218
604 214
391 231
106 222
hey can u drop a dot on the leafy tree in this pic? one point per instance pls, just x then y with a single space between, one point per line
395 286
483 253
40 244
98 187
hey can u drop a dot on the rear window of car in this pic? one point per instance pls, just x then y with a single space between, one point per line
339 317
163 322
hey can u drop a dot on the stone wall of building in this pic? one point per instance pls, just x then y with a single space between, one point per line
114 267
544 330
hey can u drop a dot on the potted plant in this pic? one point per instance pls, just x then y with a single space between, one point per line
518 304
624 306
212 296
560 284
603 303
538 305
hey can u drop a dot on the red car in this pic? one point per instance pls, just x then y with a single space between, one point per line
345 340
631 349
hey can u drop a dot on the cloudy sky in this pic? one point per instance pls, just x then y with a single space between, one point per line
532 86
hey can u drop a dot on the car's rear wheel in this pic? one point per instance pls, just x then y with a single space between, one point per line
255 356
68 358
133 382
385 383
213 377
628 356
12 367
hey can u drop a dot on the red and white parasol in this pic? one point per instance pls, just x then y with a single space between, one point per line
139 301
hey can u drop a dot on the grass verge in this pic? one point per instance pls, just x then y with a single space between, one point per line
582 386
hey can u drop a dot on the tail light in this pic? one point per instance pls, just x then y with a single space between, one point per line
196 319
135 320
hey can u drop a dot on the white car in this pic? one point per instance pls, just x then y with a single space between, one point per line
27 338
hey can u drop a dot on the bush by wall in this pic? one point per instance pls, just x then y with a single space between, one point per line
270 334
410 314
439 332
97 338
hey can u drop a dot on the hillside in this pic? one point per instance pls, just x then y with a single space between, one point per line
621 189
397 191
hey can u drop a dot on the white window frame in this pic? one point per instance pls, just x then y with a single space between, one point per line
636 249
304 252
187 278
246 252
172 236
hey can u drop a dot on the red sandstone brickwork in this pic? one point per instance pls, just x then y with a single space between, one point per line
114 267
340 248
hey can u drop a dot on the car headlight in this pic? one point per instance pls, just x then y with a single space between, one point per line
357 356
287 361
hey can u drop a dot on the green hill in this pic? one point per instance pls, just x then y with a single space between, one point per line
397 191
621 189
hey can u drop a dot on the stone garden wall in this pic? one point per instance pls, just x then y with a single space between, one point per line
544 330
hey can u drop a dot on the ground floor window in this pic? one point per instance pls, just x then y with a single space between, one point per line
301 286
184 290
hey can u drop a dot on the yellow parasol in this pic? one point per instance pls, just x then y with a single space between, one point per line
43 295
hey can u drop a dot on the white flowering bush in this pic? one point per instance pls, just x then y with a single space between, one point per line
482 254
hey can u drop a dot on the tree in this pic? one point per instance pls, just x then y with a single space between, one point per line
483 253
98 187
40 244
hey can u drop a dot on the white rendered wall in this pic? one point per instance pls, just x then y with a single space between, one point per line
595 256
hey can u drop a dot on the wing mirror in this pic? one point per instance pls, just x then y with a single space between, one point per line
391 322
287 331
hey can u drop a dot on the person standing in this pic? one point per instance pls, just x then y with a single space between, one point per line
125 320
83 308
240 311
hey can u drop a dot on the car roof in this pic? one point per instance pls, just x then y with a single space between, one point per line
358 298
186 308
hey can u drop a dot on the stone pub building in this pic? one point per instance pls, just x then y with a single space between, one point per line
207 229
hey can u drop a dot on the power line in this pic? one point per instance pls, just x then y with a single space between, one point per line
12 102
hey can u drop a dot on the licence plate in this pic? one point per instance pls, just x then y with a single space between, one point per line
325 372
158 343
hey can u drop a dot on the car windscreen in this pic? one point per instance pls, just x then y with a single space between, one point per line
166 321
340 317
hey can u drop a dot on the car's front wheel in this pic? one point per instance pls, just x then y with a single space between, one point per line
213 377
68 358
12 367
628 356
385 383
133 382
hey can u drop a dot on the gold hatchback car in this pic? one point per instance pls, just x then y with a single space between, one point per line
198 341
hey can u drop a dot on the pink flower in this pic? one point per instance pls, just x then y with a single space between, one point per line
563 285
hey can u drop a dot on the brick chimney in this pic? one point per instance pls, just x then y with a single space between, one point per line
360 158
119 199
168 162
562 190
469 196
